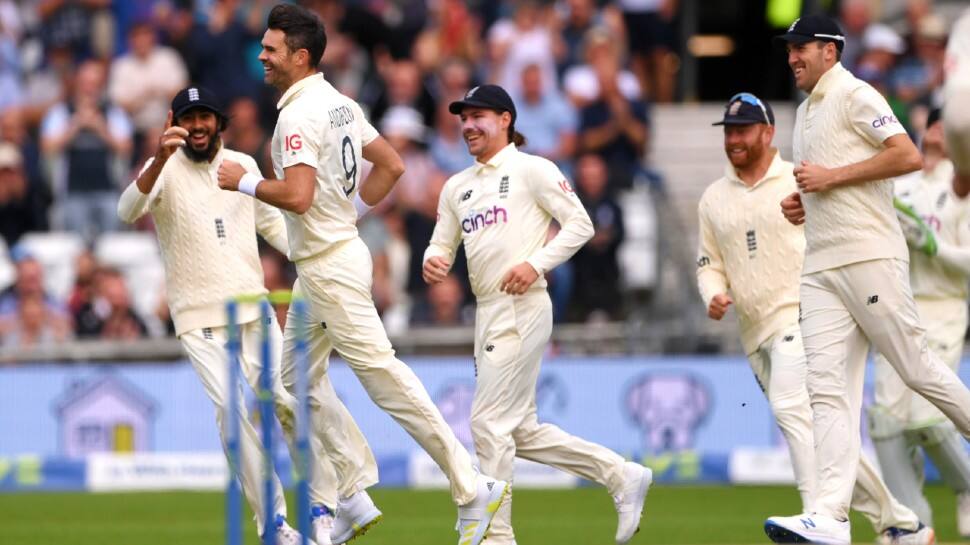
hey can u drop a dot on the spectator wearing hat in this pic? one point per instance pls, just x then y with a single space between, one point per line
881 47
22 207
86 139
920 72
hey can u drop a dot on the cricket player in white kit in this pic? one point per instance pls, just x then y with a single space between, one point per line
320 139
500 209
956 97
935 215
750 257
855 279
208 242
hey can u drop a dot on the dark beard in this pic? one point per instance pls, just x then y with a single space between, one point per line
206 155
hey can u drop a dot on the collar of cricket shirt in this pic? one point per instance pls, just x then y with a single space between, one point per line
296 88
775 169
497 159
828 80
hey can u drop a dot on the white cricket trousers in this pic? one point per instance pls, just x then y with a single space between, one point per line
945 321
511 333
353 462
842 310
337 284
780 368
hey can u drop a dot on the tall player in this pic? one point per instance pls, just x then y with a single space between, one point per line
936 224
208 243
855 278
751 258
318 144
956 97
500 209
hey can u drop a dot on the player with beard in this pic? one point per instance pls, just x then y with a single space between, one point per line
320 141
750 257
208 242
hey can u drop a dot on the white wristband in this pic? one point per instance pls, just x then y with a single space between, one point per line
362 207
248 183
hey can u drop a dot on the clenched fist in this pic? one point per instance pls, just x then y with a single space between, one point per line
229 174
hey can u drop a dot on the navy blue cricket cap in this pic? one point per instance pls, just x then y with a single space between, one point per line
746 109
812 28
196 97
492 97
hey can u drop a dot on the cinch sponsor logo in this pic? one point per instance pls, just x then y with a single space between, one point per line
883 121
478 219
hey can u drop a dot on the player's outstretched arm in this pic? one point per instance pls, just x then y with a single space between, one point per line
293 193
388 167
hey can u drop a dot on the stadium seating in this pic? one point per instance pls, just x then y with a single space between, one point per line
57 252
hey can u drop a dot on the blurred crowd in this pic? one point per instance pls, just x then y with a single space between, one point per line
85 87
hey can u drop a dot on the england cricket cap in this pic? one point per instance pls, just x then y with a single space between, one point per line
492 97
812 28
196 97
746 109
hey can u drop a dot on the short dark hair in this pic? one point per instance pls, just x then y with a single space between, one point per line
303 30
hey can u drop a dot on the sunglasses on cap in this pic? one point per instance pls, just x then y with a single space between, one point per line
748 98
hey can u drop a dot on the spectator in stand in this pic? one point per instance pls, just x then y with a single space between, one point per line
527 38
29 284
22 207
144 81
453 32
615 127
85 267
344 62
223 50
33 324
881 46
545 118
448 149
109 314
652 40
13 129
11 86
596 265
920 73
581 83
444 305
855 16
87 139
74 24
581 16
403 86
246 135
453 79
403 129
48 85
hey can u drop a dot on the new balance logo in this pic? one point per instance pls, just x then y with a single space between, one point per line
703 261
788 338
490 347
872 300
467 195
808 523
323 325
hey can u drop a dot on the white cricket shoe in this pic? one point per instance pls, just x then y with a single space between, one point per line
963 514
922 535
285 535
321 524
355 515
808 528
475 517
629 503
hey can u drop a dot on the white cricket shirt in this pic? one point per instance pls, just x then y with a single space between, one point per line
748 249
842 122
322 128
501 211
931 196
207 237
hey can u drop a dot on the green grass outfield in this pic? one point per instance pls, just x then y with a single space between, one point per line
674 515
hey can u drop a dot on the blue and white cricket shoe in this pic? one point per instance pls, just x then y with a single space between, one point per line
355 515
321 524
475 517
285 535
922 535
629 503
808 528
